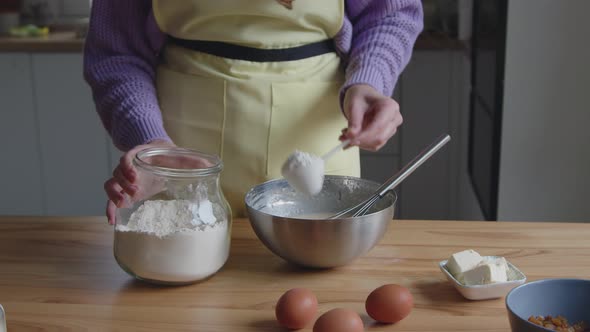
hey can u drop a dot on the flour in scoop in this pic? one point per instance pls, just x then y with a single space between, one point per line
304 172
173 241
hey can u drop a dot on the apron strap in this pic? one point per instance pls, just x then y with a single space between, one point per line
237 52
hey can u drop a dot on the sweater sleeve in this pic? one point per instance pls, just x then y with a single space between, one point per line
383 36
120 57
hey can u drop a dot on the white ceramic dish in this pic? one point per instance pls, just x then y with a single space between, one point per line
489 291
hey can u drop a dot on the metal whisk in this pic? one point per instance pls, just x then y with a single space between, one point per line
363 207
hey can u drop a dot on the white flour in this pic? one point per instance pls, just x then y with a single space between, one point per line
304 172
173 241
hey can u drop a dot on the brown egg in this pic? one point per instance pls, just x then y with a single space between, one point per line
296 308
389 303
339 320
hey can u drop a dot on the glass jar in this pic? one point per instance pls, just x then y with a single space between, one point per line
177 228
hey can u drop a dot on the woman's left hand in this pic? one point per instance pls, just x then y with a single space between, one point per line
373 118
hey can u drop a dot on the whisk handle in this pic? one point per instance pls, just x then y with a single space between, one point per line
424 155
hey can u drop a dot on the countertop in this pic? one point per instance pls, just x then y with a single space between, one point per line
69 42
59 274
58 42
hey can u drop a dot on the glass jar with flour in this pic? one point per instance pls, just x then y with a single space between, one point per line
177 228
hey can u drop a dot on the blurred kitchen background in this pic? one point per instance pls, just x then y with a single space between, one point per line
509 80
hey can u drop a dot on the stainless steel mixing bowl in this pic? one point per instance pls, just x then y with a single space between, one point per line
295 226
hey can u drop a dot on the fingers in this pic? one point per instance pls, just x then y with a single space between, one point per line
343 136
110 212
123 181
355 107
355 120
126 163
114 191
381 123
124 178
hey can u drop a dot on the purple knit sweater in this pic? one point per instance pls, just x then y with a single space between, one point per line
124 41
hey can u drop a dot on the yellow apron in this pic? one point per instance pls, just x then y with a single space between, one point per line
252 114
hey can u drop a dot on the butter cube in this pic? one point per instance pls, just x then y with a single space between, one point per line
487 273
463 261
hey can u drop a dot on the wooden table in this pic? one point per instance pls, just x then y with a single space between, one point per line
58 274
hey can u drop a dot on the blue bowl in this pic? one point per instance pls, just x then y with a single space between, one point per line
569 298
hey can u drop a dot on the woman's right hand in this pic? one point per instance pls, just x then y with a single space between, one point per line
124 181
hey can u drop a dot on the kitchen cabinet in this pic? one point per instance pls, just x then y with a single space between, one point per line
425 99
20 173
59 155
74 150
433 97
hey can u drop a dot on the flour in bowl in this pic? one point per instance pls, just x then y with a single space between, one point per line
173 241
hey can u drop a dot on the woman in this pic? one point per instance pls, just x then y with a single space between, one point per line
250 81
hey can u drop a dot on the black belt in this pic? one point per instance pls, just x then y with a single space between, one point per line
237 52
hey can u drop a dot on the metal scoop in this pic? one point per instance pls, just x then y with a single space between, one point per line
364 206
308 177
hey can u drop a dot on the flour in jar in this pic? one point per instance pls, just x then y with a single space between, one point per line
174 241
